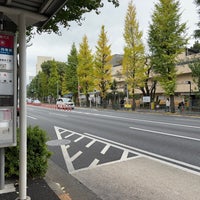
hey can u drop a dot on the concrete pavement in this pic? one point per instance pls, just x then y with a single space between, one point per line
141 178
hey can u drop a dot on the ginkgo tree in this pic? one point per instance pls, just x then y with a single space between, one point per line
53 81
134 53
70 79
103 66
85 68
167 39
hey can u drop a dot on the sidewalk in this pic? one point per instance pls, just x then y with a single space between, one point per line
141 178
56 185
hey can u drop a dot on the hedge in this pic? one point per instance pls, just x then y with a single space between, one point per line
37 154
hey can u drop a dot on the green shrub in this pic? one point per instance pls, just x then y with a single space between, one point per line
37 154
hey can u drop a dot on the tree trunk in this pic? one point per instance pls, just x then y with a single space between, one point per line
172 104
87 100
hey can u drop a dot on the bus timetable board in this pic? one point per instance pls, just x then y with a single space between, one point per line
7 90
6 128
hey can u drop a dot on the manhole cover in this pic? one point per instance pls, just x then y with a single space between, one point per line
58 142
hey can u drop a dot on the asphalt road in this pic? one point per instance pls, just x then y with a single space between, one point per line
107 138
172 138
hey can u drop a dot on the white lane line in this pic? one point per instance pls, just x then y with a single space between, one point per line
94 163
143 120
90 143
78 139
149 155
167 134
75 156
66 156
31 117
60 115
105 149
124 155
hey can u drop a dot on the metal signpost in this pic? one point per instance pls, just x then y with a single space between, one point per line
8 95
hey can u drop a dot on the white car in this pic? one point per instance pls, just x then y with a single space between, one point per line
36 102
65 103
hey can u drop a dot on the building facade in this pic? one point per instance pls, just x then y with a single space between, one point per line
185 88
40 60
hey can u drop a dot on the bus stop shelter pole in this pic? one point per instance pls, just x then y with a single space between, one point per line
2 166
22 100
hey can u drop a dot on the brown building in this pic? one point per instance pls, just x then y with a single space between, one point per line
185 84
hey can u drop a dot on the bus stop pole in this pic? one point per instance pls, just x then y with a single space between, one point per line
22 100
2 168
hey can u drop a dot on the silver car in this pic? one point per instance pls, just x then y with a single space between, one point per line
65 103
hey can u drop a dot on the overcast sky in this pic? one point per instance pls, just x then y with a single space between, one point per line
113 18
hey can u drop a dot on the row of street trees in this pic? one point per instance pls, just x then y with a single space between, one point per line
88 72
83 72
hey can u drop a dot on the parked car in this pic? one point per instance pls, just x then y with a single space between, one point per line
36 102
65 103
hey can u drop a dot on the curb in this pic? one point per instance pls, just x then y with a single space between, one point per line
66 186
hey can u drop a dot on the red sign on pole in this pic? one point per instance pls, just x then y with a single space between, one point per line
6 41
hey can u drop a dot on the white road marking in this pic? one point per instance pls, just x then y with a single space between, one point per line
69 160
125 155
69 135
60 115
75 156
90 143
67 146
105 164
149 155
78 139
66 156
167 134
31 117
141 120
136 151
104 141
94 163
105 149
